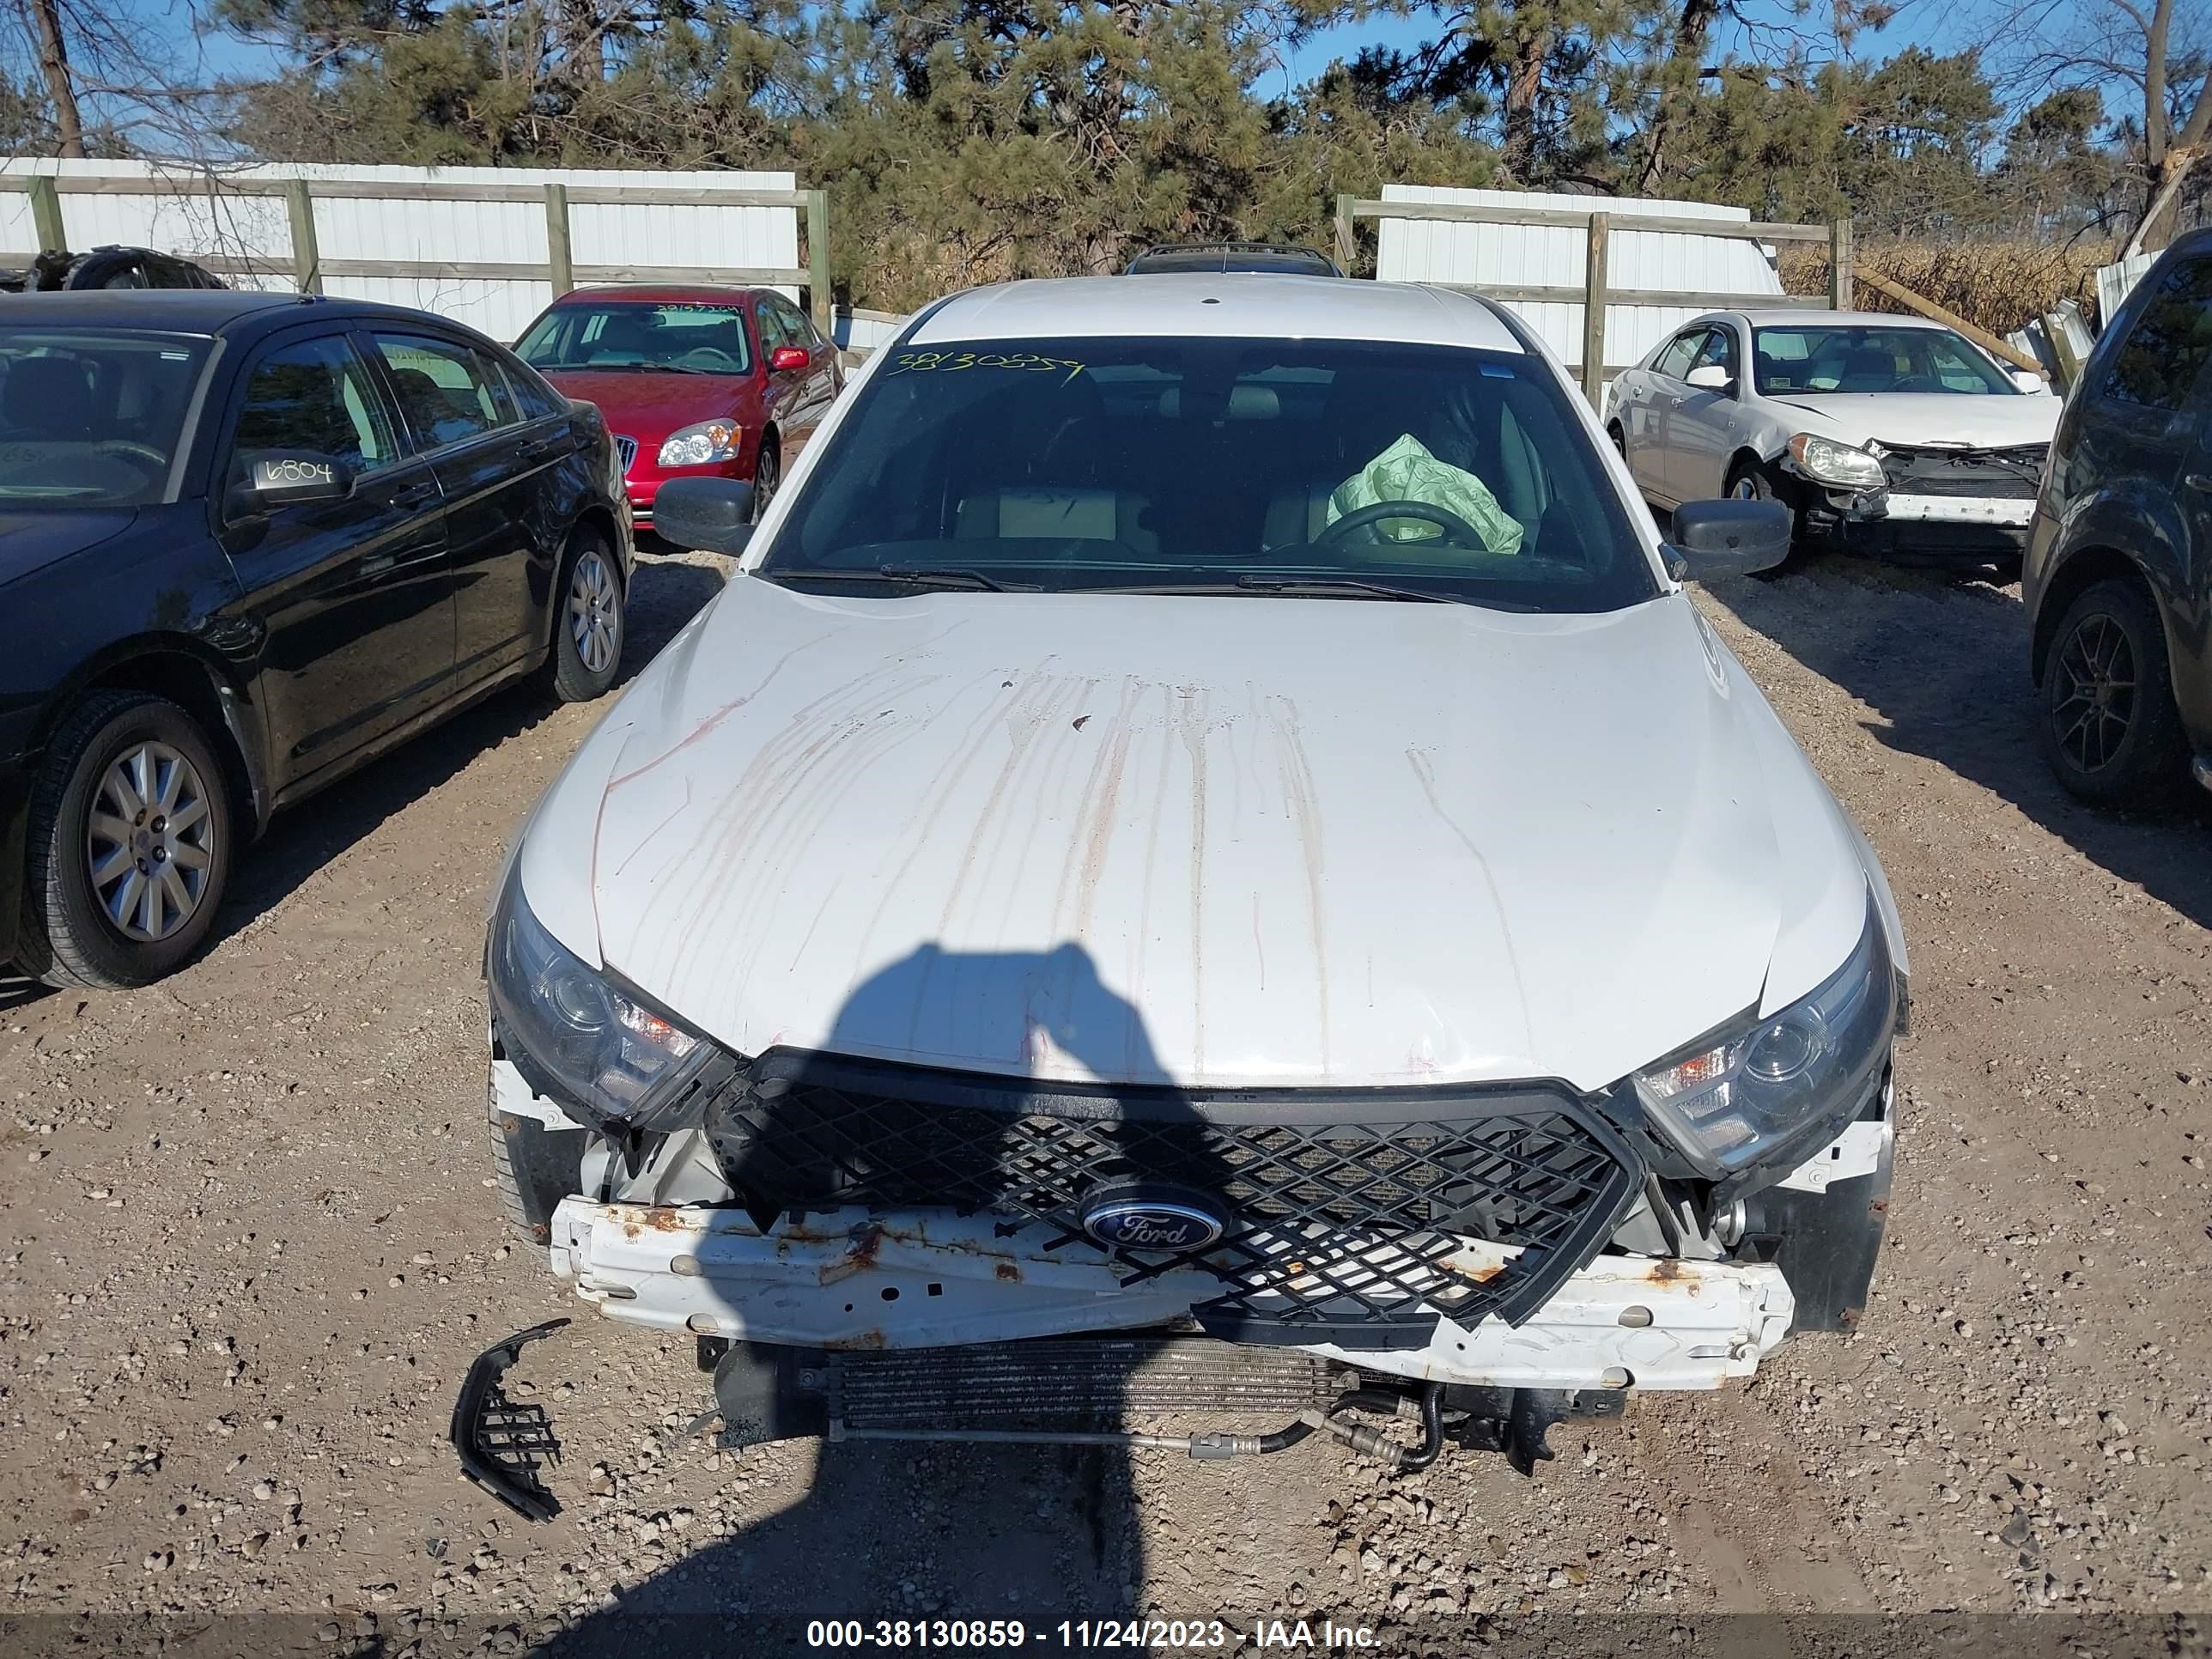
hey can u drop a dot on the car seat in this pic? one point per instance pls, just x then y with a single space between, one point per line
1049 477
1868 369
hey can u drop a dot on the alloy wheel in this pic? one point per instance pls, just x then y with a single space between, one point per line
594 612
767 474
2097 704
150 842
1744 489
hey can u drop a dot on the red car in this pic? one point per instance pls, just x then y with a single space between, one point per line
719 381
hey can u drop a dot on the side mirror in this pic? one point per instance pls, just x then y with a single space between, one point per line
1715 539
1710 377
786 359
289 477
714 513
2029 381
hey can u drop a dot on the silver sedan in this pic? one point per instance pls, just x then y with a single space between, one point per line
1888 434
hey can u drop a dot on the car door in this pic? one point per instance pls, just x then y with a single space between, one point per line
796 395
827 377
492 467
1701 422
1644 420
352 598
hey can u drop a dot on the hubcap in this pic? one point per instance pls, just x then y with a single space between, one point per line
150 842
2097 693
595 613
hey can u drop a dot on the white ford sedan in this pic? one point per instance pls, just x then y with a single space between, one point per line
1889 435
1208 830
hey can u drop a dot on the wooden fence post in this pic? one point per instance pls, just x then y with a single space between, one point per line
818 260
306 257
1345 246
47 213
1840 291
1594 286
560 262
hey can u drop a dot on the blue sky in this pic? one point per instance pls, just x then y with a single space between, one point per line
1929 23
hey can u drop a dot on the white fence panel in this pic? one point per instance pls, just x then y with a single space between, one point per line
216 221
2114 281
1551 256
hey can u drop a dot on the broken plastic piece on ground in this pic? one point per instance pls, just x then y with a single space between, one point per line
503 1444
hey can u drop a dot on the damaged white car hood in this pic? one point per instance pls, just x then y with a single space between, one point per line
1214 842
1923 418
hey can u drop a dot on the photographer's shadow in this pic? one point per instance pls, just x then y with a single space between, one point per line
896 1530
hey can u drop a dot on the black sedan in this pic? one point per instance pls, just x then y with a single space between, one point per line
2119 577
253 540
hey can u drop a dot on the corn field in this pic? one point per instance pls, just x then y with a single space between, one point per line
1997 285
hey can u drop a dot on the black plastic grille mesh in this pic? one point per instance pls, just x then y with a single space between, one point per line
1331 1224
1996 474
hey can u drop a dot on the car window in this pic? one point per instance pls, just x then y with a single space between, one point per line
315 395
1181 462
130 275
447 391
91 417
1674 360
1719 350
628 334
791 324
773 332
2166 350
536 400
1816 358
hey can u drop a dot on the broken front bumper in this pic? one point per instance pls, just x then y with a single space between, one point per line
931 1279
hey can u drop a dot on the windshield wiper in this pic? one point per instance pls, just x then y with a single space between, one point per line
1334 587
970 580
607 368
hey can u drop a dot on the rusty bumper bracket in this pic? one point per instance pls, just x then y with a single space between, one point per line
503 1445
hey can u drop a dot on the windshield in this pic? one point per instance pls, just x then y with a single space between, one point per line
1817 359
91 417
706 339
1356 470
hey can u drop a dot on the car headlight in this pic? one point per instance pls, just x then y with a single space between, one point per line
1742 1095
576 1036
698 446
1825 461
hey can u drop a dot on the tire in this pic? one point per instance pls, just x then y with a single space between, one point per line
1748 481
111 911
1620 440
589 620
2106 718
768 475
533 1169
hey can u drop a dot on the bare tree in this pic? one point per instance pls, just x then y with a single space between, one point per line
117 82
54 69
2152 55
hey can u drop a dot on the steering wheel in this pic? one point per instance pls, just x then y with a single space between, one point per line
136 451
694 358
1428 513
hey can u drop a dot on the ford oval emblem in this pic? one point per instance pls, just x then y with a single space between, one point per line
1150 1218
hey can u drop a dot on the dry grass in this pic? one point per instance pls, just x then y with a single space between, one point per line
1998 285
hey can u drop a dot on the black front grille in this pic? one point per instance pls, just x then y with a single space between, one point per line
1345 1212
2006 474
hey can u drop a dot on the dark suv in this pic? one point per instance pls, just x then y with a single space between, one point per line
2118 576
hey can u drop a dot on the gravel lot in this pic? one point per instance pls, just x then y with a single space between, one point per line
248 1254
